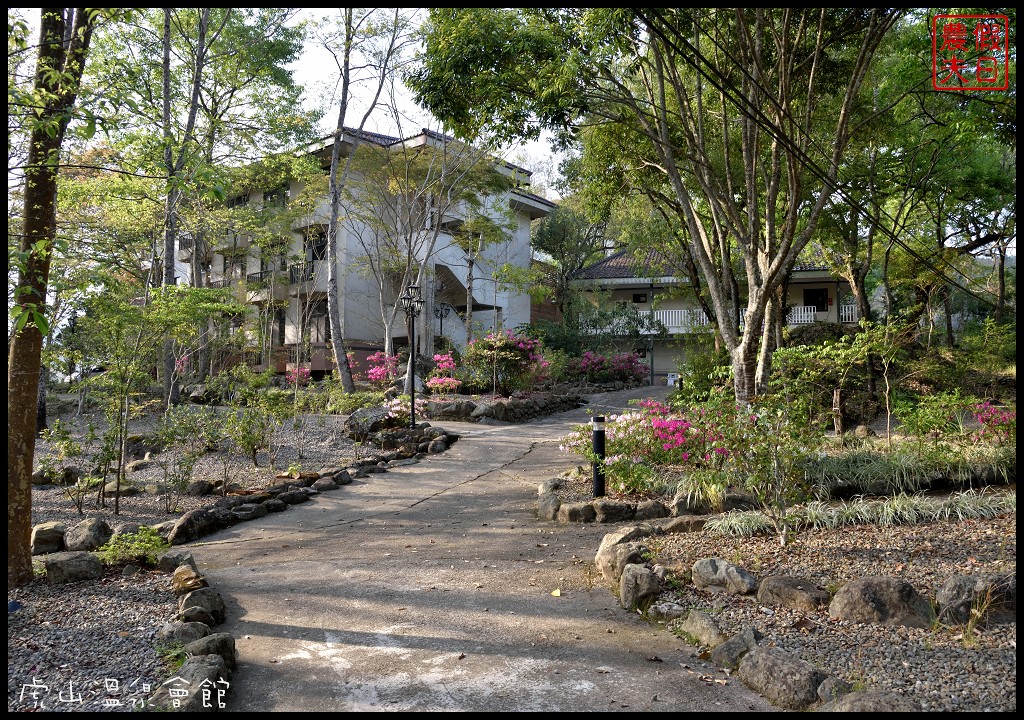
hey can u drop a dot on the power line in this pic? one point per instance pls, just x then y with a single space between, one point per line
753 112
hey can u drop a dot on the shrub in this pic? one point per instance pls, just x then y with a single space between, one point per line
998 424
504 360
298 376
622 367
342 403
442 380
398 410
383 369
144 546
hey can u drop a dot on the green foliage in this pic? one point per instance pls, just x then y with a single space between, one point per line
704 372
909 468
705 487
345 403
185 433
144 546
172 654
930 417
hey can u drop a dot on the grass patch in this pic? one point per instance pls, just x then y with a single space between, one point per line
901 509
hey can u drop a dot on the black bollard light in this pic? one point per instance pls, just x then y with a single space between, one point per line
598 464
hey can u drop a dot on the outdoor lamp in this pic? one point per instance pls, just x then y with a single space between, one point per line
411 303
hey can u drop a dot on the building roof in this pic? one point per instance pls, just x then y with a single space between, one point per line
650 263
628 263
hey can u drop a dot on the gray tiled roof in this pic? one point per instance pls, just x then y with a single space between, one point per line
632 263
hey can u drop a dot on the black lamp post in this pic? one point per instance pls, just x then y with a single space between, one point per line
412 303
441 311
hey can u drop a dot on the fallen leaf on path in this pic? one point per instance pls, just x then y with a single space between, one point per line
556 592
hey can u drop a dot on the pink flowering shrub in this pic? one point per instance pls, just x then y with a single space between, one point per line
442 380
998 425
623 367
299 376
398 410
501 362
383 369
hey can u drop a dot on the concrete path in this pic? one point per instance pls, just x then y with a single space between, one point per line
434 587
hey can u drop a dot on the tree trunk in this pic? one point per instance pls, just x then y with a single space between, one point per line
469 301
58 74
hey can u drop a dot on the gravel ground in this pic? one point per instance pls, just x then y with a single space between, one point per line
943 669
80 639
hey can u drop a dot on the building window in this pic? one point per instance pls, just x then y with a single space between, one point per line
279 321
275 198
316 245
818 297
319 322
639 298
238 200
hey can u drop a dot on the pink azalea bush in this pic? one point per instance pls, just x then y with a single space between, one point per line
383 369
299 376
442 380
998 425
622 367
398 410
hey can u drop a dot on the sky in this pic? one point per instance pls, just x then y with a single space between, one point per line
317 72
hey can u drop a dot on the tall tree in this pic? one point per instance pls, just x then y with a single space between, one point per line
200 90
64 38
376 43
732 106
572 241
402 197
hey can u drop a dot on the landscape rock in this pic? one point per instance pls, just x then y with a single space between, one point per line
90 534
576 512
995 596
720 575
221 644
207 599
882 601
608 511
792 592
700 626
198 671
186 579
172 559
638 587
783 679
729 653
873 701
611 559
48 537
182 632
72 566
191 526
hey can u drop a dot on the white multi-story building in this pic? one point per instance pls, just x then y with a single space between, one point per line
286 287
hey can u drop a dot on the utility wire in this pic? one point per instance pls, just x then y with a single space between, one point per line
695 57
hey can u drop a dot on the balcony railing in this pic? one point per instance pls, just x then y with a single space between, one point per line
682 321
301 272
264 276
802 315
848 314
